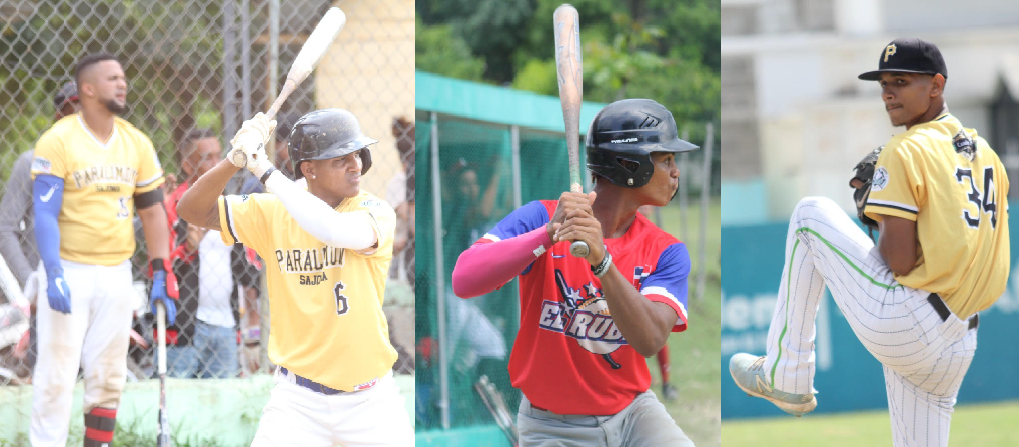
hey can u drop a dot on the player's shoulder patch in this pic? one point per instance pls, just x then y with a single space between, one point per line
41 165
880 179
372 203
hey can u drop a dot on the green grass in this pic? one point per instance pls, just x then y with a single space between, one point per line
694 353
974 425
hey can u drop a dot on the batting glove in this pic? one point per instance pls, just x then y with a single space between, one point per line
164 289
252 136
57 291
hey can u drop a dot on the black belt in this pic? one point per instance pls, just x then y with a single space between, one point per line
943 312
311 384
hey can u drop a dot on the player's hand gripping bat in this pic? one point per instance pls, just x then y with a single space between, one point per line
569 66
163 438
309 56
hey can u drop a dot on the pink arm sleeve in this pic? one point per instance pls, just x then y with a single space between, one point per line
484 267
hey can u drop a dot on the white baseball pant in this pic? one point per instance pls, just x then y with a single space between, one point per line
924 357
95 335
297 416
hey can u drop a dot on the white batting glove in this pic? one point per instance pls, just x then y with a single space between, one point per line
254 133
258 162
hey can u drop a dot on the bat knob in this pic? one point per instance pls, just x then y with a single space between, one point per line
580 249
239 159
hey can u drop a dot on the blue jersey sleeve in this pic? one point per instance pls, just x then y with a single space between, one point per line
522 220
668 283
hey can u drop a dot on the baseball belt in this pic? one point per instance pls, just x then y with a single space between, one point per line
310 384
943 312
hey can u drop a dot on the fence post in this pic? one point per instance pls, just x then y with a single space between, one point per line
709 139
440 282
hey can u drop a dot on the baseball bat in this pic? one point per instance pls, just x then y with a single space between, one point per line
163 439
569 66
311 53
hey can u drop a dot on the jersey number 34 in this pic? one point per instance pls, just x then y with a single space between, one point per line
984 201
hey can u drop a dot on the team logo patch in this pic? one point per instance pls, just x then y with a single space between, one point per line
244 198
583 315
880 179
964 145
371 203
889 51
42 165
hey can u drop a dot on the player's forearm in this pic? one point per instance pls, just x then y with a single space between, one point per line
157 234
645 324
335 229
484 267
10 249
897 243
199 206
48 196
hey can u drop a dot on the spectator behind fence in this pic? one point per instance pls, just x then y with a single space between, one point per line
203 343
400 195
17 243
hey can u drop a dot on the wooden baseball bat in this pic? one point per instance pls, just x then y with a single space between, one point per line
163 439
308 58
569 65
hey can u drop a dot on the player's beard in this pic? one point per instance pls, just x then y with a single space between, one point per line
115 108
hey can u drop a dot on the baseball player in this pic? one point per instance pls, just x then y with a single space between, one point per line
90 170
587 324
913 298
329 248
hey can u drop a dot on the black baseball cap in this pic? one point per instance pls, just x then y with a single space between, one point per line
68 92
908 55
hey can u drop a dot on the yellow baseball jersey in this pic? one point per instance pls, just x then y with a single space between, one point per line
100 182
327 323
948 180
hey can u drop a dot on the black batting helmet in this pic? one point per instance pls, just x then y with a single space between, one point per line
629 131
325 134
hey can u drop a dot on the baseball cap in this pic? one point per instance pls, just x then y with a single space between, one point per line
908 55
68 92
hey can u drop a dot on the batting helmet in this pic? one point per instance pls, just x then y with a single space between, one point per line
325 134
624 134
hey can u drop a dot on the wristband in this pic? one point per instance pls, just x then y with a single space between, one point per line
268 172
158 265
602 268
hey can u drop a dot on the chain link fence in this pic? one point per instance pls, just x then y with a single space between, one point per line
196 69
475 166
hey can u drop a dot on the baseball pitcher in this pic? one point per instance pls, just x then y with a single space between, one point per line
329 248
937 196
587 324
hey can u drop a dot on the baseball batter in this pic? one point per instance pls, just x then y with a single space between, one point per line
587 324
90 171
913 298
329 248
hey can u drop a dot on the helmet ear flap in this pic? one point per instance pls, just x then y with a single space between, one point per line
366 160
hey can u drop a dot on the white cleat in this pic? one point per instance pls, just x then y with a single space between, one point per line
748 372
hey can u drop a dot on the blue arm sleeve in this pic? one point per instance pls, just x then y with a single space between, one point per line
47 197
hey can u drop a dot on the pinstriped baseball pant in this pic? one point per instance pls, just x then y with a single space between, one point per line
924 358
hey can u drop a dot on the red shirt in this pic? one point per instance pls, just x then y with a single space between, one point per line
569 357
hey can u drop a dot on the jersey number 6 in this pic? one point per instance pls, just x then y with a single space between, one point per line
984 201
341 301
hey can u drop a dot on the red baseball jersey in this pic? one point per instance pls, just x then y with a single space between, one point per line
569 357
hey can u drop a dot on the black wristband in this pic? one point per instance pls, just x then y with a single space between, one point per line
268 172
158 265
603 267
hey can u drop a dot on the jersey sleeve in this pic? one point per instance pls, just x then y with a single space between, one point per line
383 221
522 220
896 189
242 219
150 172
668 283
48 158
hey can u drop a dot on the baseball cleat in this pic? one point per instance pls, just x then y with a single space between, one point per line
748 372
669 391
